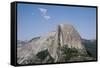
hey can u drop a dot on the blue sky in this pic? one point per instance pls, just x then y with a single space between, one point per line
35 20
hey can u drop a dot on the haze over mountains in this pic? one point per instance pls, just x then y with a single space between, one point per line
63 45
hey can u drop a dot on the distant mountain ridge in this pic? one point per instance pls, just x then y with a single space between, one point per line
21 43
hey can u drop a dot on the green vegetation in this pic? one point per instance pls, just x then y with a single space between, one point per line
90 47
45 56
42 55
72 54
69 53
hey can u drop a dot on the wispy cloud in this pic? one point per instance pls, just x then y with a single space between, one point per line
47 17
44 13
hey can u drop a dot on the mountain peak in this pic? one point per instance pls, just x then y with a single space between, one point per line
65 36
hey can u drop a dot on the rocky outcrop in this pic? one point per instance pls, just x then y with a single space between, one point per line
69 36
65 36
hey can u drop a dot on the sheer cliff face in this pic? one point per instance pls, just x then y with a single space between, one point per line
65 35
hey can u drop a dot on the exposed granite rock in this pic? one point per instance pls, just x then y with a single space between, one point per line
65 35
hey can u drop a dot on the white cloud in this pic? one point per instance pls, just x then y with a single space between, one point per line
44 13
47 17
